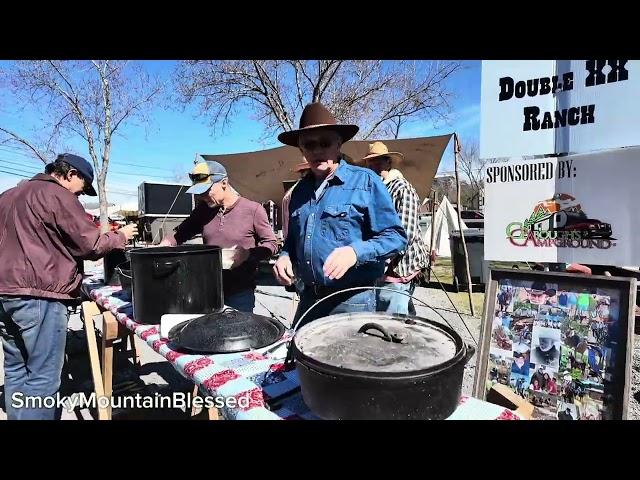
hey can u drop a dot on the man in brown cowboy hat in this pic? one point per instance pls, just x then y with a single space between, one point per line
403 271
342 226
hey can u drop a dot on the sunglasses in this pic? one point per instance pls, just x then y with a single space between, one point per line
199 177
322 143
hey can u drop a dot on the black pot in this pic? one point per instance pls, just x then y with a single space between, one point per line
124 274
183 279
110 261
373 366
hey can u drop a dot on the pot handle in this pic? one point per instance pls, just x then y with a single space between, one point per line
120 272
162 269
471 350
289 360
295 326
394 337
119 269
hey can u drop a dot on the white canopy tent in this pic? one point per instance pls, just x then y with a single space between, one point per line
446 221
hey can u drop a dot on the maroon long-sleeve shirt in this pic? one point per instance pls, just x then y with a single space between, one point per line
244 224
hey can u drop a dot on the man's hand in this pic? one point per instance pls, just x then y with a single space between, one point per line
129 231
283 270
340 260
234 257
165 243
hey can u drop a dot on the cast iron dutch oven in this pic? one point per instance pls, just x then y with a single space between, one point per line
372 365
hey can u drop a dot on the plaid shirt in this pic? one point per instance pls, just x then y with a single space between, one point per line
407 203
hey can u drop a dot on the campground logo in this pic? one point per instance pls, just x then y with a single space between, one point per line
560 222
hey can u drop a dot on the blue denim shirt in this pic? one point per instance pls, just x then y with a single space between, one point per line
354 209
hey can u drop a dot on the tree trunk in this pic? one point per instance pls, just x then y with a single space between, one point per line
104 206
456 148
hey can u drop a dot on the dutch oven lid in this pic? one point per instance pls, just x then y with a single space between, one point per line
226 331
376 342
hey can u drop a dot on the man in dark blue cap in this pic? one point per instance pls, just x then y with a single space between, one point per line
44 232
78 178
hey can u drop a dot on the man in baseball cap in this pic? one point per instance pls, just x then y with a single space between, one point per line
204 175
236 224
82 169
44 234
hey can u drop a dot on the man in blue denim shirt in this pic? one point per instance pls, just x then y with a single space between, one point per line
342 222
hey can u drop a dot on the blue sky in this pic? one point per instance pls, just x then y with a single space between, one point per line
169 144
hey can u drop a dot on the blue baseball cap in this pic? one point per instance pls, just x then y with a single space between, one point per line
204 175
84 168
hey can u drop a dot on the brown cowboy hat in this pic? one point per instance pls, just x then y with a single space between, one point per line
379 149
316 116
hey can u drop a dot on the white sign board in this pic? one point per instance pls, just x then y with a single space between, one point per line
546 107
571 209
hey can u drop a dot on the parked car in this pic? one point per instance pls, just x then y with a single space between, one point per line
471 215
472 218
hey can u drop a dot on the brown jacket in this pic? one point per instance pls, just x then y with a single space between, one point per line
44 230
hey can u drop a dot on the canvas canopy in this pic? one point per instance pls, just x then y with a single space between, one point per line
260 175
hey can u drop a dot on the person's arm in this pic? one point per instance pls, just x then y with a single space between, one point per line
388 236
188 229
82 237
286 200
407 205
266 243
283 268
288 247
578 268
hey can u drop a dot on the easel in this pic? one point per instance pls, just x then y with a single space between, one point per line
111 330
102 372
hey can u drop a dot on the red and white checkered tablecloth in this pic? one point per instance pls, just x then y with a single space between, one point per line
255 379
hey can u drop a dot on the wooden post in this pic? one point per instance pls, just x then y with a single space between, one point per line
89 310
434 198
109 334
456 149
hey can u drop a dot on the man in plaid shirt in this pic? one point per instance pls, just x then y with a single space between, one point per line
403 271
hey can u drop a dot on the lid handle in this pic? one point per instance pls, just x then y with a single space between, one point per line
389 337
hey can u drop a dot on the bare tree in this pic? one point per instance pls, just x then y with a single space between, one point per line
444 186
91 100
471 166
379 96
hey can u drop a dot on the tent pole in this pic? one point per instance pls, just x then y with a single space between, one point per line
456 150
434 198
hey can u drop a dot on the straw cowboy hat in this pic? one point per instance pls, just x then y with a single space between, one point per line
379 149
315 116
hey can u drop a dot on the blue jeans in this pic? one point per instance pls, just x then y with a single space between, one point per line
244 301
34 335
355 301
395 303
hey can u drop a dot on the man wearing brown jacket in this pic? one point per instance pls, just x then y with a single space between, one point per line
44 231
